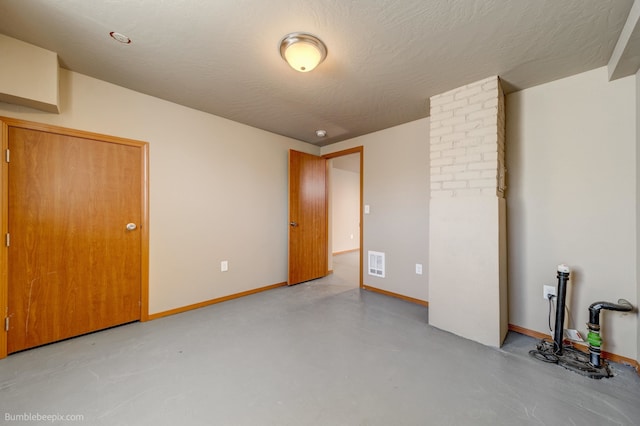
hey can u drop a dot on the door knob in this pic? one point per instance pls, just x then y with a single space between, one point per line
131 226
294 224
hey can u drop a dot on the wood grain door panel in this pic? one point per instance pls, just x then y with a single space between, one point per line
308 226
73 267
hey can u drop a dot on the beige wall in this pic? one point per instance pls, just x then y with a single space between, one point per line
571 161
345 210
396 177
218 189
637 209
28 75
465 290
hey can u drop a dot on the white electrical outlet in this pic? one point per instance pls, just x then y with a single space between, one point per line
548 290
419 268
224 266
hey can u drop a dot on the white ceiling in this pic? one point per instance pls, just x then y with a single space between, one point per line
386 57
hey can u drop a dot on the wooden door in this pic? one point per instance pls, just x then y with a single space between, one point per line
73 266
308 229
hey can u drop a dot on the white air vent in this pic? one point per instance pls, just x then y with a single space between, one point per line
376 264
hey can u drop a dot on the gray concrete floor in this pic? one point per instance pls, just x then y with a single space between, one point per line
319 353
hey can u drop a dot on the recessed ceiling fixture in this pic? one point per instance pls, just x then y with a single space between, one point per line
302 51
321 133
120 37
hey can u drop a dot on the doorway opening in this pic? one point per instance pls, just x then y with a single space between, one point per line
345 195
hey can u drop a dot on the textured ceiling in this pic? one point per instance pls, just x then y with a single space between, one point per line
386 57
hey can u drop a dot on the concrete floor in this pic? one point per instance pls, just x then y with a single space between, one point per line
319 353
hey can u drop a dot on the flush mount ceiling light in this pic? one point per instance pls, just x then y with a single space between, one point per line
302 51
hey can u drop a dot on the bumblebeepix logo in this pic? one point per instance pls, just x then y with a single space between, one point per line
45 418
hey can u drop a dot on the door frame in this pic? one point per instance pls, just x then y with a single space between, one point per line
355 150
4 211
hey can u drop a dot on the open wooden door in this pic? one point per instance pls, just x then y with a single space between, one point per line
76 210
308 229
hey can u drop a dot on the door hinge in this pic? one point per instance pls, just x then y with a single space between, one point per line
6 324
7 156
7 239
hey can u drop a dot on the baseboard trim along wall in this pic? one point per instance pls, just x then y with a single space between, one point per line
396 295
266 288
582 347
344 252
214 301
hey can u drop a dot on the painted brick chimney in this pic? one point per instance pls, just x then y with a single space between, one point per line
467 223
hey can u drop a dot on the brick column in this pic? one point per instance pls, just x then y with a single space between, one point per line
467 141
467 247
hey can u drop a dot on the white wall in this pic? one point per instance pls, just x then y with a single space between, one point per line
571 161
345 210
218 189
396 179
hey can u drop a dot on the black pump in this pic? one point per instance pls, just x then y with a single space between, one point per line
591 365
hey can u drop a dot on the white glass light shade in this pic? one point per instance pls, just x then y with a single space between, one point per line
302 56
303 52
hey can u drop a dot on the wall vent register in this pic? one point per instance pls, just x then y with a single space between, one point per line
376 264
